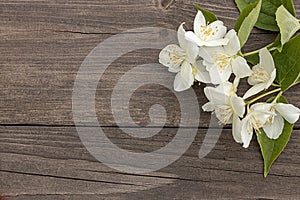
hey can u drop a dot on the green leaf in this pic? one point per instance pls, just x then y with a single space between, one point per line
298 81
270 148
209 16
246 11
289 4
287 24
253 59
267 19
276 44
246 21
287 63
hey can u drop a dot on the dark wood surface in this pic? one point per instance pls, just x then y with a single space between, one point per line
43 44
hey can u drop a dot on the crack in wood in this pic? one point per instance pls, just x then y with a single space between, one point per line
111 126
69 178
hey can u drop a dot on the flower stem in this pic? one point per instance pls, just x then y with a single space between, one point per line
256 51
263 95
278 95
275 85
250 53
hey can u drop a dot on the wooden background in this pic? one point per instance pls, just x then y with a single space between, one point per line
42 45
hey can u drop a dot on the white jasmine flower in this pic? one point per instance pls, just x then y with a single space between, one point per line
275 124
183 61
226 105
221 62
188 73
263 74
207 35
173 56
258 116
200 72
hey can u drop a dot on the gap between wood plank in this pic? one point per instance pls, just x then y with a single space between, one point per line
107 126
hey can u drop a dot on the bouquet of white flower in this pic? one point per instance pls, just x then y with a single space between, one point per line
211 55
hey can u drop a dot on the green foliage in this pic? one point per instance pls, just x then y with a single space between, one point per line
287 63
289 5
209 16
253 59
271 148
279 16
276 15
287 24
267 17
247 20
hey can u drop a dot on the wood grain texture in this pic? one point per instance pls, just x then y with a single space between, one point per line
39 161
43 44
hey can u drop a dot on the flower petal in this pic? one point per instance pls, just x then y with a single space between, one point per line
223 113
172 56
274 130
254 90
187 73
266 60
198 22
237 105
209 54
237 129
192 51
263 107
288 111
179 83
240 67
208 107
191 36
202 74
217 30
218 95
233 46
225 74
252 80
261 114
236 83
184 79
219 75
271 80
215 43
181 37
207 35
246 132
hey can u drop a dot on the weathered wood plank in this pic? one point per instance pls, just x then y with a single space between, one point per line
107 16
39 89
43 43
37 161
